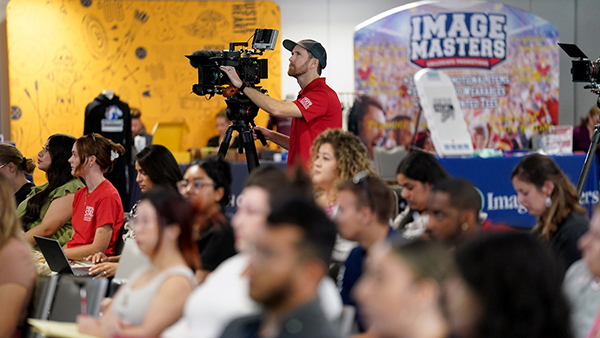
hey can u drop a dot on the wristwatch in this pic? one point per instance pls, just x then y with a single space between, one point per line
242 87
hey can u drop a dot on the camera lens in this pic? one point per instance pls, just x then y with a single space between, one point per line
213 75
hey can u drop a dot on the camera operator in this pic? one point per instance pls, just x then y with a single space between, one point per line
316 109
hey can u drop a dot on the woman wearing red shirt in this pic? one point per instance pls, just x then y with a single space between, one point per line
97 209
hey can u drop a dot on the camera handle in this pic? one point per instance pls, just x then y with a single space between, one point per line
587 164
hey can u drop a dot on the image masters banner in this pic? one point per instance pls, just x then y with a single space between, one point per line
503 61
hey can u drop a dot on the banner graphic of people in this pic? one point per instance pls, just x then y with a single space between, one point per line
503 61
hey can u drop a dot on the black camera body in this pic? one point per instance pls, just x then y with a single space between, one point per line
585 71
250 68
582 70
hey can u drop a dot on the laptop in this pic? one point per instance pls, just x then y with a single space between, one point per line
56 258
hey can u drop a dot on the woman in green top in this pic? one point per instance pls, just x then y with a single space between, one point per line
47 210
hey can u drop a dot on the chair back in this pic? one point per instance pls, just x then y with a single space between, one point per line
43 294
67 304
387 161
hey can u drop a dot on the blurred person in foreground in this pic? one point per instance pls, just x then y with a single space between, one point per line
17 278
224 295
153 298
400 292
582 283
366 206
508 285
289 260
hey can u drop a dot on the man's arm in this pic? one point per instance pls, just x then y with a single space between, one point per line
270 105
275 137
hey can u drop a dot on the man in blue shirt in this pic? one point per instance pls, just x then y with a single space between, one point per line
366 206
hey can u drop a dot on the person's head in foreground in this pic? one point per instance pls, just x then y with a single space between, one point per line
165 222
453 207
255 203
366 205
18 272
291 256
590 244
399 293
508 285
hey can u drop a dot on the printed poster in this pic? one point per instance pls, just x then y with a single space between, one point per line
503 61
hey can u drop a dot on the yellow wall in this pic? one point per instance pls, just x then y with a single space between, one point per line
63 53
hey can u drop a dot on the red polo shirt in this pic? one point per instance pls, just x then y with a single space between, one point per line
321 110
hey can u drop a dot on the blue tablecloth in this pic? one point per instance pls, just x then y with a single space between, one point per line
492 177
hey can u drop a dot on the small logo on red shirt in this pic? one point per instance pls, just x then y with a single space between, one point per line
305 102
89 214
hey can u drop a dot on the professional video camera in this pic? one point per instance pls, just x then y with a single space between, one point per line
241 111
250 69
584 70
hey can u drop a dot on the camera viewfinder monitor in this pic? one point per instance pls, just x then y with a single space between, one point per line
265 39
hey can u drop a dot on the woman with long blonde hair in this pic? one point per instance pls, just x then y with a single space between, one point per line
18 272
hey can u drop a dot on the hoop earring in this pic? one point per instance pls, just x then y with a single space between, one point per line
548 202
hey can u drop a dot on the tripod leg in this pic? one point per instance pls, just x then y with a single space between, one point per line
225 143
587 164
251 155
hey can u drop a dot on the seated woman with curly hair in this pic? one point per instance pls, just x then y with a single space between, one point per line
337 156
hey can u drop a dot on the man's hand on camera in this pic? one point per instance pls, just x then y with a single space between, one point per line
266 132
233 76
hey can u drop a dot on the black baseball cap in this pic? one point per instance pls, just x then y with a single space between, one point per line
312 46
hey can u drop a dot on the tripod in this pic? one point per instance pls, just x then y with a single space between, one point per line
587 164
242 112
